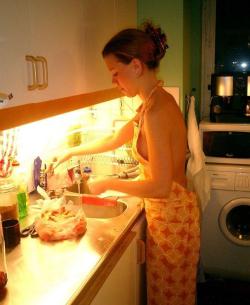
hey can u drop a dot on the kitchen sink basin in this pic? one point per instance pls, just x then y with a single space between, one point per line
94 206
79 188
94 211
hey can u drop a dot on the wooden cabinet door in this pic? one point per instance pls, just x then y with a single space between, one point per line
14 44
57 33
70 35
50 29
103 19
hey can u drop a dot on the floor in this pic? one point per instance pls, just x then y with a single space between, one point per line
223 292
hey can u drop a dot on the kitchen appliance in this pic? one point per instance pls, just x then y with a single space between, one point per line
225 230
230 94
225 143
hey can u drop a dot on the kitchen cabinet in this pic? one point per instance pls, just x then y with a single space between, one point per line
102 20
125 285
70 271
51 29
68 34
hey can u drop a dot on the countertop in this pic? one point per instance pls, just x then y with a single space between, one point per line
56 272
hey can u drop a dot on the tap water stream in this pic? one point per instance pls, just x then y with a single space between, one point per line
79 187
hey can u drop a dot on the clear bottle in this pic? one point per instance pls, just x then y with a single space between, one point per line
19 178
3 267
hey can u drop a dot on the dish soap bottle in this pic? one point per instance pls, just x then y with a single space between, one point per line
3 268
18 176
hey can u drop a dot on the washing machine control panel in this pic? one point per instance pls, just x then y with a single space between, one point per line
229 180
222 180
242 182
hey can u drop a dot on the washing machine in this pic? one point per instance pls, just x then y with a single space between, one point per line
225 227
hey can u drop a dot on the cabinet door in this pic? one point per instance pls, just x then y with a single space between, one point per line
14 44
126 14
126 283
51 29
120 286
56 33
70 35
103 19
140 240
99 26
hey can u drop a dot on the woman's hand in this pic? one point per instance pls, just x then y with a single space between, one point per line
56 161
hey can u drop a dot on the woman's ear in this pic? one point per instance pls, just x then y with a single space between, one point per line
137 66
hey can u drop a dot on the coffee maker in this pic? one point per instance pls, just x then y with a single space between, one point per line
230 98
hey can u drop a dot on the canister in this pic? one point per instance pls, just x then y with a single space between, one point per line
8 199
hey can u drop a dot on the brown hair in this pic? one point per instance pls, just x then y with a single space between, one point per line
148 44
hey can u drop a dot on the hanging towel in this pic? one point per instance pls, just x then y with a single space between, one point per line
198 178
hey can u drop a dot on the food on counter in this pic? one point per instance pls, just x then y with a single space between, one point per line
62 220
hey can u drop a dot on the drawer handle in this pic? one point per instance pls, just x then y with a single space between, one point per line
141 252
43 61
32 59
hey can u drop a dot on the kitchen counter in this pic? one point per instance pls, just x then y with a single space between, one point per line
58 272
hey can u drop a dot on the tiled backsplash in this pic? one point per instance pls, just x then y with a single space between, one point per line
46 138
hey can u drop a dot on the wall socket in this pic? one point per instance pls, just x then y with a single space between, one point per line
4 98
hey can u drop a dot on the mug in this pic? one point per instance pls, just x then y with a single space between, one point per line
11 232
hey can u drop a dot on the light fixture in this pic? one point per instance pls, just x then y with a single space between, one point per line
243 65
224 86
248 86
247 113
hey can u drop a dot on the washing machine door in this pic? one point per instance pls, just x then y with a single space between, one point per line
234 221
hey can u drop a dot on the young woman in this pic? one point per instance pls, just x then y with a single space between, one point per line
159 144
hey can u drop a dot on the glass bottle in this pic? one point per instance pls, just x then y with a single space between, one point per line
3 268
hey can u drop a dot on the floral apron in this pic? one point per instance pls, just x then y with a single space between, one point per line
173 241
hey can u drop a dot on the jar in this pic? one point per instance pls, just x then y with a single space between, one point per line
8 199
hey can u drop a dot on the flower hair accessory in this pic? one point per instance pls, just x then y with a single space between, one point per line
158 37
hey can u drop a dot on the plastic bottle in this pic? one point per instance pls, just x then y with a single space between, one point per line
3 268
19 178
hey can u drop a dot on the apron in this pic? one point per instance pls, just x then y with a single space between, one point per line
172 242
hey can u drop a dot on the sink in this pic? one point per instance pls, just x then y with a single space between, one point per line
94 206
79 188
93 211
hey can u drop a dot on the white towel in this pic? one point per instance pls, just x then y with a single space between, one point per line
197 176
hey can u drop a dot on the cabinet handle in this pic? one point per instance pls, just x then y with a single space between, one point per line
141 252
44 63
32 59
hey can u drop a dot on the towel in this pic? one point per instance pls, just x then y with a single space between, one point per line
198 178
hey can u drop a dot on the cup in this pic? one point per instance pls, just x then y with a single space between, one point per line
11 232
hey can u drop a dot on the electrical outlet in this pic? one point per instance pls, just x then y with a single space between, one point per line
3 102
4 98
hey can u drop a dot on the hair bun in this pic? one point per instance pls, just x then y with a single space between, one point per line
158 37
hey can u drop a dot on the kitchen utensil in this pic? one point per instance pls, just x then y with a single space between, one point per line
29 230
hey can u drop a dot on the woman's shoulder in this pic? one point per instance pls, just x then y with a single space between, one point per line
164 111
163 102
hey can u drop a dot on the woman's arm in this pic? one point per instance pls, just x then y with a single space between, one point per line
111 142
158 124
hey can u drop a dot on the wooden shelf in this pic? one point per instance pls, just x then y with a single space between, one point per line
24 114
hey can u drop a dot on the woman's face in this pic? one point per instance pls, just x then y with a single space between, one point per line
124 76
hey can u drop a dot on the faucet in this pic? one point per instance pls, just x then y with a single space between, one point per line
74 173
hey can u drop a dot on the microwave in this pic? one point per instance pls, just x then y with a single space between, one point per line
225 142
